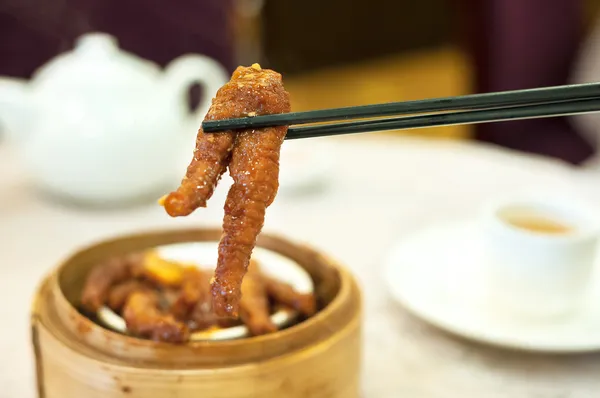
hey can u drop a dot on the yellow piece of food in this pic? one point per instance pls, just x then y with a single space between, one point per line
162 271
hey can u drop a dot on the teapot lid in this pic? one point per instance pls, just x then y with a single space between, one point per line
97 60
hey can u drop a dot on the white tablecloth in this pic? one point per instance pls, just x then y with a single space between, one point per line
381 190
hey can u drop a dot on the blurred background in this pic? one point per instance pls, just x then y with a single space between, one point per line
100 127
335 54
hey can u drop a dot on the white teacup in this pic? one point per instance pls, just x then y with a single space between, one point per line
541 253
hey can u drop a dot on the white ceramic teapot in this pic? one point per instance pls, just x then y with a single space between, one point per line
99 125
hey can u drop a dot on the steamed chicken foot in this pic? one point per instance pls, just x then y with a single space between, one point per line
254 168
285 294
254 305
105 275
144 318
203 317
194 301
237 98
253 159
195 291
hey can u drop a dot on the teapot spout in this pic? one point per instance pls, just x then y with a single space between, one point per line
15 104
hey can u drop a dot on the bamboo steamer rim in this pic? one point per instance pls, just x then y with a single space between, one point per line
271 363
347 288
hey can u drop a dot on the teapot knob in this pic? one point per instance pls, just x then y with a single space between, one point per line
100 43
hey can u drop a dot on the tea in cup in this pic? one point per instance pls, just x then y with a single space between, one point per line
540 254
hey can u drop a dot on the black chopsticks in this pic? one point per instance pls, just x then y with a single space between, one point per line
573 107
489 107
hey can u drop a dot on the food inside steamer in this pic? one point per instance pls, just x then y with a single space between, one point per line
164 300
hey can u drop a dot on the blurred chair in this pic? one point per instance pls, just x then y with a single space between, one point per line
518 44
587 70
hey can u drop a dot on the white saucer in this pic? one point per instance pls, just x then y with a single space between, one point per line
437 274
204 255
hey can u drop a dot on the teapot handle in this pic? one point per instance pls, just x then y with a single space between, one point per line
188 69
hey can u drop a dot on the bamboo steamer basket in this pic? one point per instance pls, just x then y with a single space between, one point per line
76 358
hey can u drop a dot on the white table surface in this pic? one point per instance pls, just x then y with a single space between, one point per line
382 190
